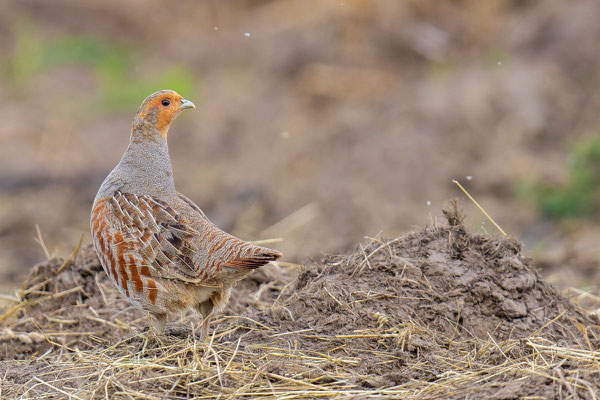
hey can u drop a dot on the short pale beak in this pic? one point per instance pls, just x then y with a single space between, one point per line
185 104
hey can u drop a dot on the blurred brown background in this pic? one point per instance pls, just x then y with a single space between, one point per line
317 121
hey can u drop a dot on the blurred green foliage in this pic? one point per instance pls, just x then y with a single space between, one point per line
115 66
580 196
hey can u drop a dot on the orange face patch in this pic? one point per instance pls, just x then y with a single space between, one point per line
166 106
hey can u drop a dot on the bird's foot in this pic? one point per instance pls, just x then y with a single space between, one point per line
179 331
182 331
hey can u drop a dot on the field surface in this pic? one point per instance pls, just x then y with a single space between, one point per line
435 313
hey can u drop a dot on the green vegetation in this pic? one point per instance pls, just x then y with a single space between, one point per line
115 66
580 196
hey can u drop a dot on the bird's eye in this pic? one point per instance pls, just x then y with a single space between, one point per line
166 102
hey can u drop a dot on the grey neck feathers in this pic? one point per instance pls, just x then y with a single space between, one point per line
145 168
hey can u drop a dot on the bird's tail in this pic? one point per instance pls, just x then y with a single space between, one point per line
254 257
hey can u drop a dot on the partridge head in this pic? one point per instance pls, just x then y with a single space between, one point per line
154 243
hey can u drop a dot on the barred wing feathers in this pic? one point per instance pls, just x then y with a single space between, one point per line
142 238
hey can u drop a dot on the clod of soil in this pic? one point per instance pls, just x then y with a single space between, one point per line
435 312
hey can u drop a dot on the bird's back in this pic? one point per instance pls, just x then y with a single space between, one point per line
216 254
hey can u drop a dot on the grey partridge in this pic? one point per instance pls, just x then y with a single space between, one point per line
155 244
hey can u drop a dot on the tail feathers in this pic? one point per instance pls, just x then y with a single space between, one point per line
261 257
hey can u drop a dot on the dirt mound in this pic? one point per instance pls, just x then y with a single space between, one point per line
63 302
442 278
436 312
436 292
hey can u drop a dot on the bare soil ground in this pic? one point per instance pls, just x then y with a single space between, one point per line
435 313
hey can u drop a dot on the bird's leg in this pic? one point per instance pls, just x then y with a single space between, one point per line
157 323
205 309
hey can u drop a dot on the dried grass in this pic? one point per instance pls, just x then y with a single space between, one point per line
75 337
185 368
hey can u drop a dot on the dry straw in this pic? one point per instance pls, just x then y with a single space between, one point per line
64 337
